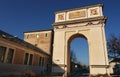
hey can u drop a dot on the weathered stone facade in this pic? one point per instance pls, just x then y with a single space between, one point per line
85 22
13 53
41 39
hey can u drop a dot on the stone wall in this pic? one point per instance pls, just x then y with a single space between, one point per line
36 59
17 69
41 39
19 56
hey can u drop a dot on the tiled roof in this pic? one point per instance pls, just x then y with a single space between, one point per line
38 30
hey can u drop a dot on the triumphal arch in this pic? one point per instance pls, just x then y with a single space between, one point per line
85 22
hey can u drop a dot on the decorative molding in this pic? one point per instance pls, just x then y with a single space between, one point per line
86 7
92 22
102 19
100 66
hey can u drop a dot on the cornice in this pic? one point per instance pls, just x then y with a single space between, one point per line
102 19
84 7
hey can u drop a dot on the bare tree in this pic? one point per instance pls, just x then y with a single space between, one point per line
73 57
114 52
73 61
113 47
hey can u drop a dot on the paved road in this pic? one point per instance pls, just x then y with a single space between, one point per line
79 74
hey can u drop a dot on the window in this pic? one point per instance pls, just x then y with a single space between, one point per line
46 35
28 36
37 35
40 61
30 60
36 44
10 55
26 58
2 53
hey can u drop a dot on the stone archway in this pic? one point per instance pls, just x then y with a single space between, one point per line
76 35
86 21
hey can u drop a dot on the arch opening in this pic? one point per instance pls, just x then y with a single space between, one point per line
78 55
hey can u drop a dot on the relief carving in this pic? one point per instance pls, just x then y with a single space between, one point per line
77 14
61 17
94 11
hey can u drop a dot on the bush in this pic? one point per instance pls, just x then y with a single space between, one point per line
30 73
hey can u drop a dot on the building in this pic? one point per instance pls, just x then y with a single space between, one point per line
41 39
19 56
35 51
115 66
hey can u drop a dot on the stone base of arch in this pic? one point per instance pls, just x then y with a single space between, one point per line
95 71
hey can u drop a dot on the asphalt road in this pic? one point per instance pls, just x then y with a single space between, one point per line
79 74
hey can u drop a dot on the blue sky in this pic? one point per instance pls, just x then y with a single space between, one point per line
80 47
18 16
